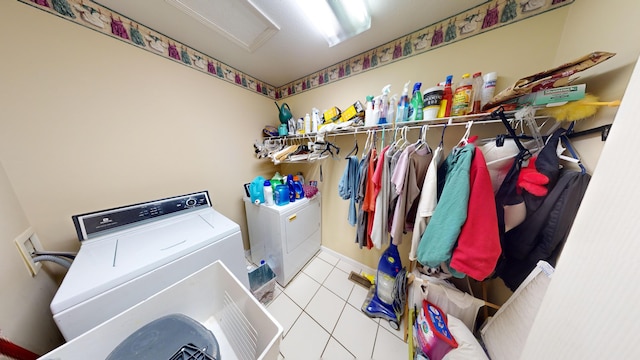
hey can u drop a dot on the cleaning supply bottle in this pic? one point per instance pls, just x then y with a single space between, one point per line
276 180
391 109
431 99
402 113
488 88
416 111
307 124
384 104
315 120
377 104
297 188
476 104
292 190
368 113
462 96
447 98
300 177
268 193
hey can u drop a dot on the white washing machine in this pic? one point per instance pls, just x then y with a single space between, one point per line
130 253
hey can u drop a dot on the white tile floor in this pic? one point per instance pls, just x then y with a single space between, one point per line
319 311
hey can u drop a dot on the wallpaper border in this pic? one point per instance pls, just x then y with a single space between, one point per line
477 20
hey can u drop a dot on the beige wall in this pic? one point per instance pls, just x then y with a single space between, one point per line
89 122
24 312
86 130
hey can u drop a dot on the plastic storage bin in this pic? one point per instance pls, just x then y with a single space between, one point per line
212 296
262 281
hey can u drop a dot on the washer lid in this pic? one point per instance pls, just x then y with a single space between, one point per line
109 261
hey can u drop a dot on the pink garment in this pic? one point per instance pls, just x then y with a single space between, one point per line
173 52
369 202
41 2
118 29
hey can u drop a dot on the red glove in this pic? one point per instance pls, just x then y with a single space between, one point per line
532 181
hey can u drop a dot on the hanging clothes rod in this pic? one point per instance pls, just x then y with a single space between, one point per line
485 118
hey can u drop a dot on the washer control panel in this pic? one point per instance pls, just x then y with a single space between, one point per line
96 223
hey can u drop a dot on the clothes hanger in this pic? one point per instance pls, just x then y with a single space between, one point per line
465 138
353 151
394 144
527 115
422 138
575 157
441 145
367 144
523 150
403 139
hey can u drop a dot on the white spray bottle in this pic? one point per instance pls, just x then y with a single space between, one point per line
315 120
377 104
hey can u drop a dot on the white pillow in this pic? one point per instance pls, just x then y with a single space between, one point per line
468 346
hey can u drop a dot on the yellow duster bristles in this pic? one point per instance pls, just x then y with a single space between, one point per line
576 110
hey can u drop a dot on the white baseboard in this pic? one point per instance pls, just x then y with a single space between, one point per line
348 260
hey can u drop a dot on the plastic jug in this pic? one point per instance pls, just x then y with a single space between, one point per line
256 190
276 180
297 188
292 190
281 195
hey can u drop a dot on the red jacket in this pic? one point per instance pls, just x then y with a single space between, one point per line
478 247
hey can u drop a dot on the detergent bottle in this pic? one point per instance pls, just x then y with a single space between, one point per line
276 180
297 188
402 113
292 190
256 190
416 110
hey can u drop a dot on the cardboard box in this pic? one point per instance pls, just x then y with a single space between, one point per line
554 95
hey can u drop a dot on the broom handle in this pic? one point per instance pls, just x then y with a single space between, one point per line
602 103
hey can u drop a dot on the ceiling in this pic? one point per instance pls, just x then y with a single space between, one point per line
295 49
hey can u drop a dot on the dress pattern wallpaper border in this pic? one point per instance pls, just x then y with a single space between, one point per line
484 17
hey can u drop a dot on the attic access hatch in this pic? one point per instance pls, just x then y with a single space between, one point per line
239 21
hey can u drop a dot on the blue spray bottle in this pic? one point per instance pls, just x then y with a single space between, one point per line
384 104
402 113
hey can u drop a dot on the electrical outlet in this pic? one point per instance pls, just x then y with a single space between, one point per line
28 243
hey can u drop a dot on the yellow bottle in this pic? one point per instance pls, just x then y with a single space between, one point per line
462 97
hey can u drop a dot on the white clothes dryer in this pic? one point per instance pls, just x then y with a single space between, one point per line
130 253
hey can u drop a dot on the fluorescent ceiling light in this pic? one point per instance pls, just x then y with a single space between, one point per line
337 20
